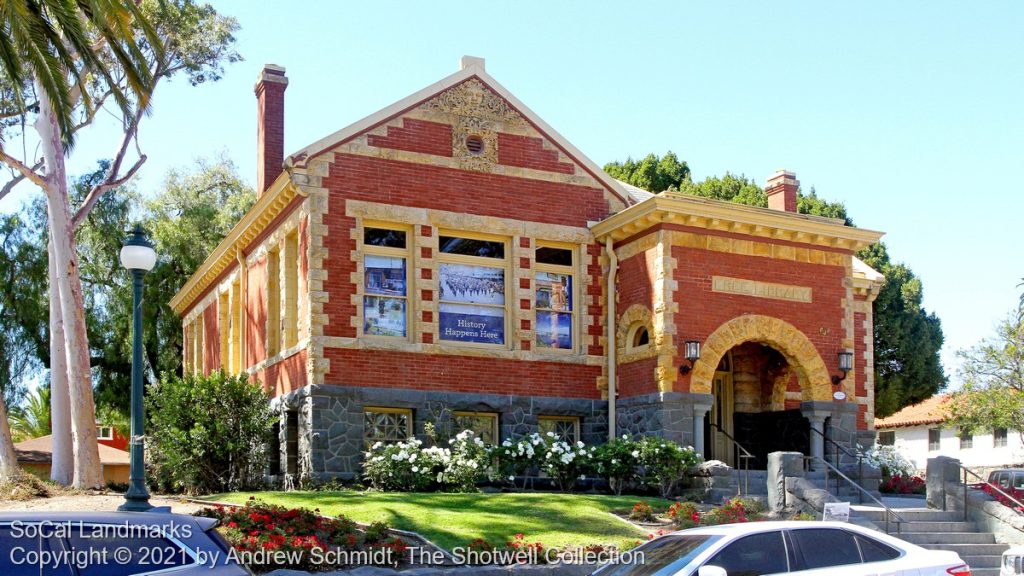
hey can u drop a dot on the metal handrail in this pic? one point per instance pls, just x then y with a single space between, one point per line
744 458
967 471
857 456
888 511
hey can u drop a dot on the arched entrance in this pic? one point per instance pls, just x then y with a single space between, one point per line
760 371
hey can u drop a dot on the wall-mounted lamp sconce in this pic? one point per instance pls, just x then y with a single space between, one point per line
845 365
692 353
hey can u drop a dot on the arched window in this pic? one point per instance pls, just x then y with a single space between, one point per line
639 337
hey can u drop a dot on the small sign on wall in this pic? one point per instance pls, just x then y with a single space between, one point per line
836 512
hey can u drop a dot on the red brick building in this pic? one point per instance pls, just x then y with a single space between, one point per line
448 259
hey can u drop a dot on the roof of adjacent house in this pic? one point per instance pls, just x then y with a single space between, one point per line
931 411
40 451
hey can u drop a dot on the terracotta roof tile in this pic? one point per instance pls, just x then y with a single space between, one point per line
931 411
40 450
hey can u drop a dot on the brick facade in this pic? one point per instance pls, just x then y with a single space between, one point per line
471 160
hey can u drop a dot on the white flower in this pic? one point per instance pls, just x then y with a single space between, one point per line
440 476
583 477
551 434
413 457
614 461
511 478
415 468
636 453
580 444
625 436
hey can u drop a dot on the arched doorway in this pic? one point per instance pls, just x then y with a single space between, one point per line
760 371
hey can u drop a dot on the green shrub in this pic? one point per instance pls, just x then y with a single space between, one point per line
208 433
665 462
617 462
566 462
512 459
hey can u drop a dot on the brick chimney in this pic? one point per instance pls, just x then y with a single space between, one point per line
781 191
270 87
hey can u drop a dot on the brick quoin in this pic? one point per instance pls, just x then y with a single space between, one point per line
860 363
416 136
386 369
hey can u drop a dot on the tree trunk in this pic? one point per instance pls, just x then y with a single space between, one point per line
8 461
87 470
63 462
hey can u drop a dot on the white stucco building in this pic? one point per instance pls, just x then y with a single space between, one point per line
921 431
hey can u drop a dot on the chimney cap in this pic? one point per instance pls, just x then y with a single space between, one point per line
781 174
271 73
471 61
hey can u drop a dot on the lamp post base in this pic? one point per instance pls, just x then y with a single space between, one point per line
135 505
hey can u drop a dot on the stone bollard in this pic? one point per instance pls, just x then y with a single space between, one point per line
780 465
942 475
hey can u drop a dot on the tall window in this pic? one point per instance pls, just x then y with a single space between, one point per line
934 438
385 282
273 302
554 295
236 327
999 437
887 438
290 311
966 439
472 289
223 329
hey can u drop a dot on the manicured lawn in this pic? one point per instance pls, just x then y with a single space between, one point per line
451 520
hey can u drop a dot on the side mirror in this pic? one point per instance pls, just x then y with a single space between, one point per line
711 571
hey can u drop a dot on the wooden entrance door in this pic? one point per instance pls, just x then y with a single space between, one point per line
722 419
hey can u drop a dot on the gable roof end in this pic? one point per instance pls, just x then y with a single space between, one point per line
471 67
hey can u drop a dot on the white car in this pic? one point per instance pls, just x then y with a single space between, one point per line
1013 561
793 547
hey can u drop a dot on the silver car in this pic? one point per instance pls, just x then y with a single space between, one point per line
793 547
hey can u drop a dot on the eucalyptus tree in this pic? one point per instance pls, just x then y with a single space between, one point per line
104 50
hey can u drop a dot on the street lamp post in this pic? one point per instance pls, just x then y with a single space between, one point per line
138 256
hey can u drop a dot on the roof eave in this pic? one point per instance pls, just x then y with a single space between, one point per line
731 217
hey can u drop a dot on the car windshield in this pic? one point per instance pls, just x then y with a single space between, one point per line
662 557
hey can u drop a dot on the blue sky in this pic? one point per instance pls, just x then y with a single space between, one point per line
910 113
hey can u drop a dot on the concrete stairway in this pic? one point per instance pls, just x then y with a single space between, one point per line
937 530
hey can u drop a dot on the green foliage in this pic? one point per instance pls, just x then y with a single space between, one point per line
664 462
652 173
187 219
207 433
617 462
31 419
993 381
908 368
107 43
730 188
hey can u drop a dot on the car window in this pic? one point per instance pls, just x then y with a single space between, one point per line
753 555
24 553
1018 480
874 551
662 557
824 547
1003 479
134 555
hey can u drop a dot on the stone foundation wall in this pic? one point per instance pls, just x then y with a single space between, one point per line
331 419
666 414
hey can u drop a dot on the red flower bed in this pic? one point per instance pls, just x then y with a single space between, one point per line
266 536
897 484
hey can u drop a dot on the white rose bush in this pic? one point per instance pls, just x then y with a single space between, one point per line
409 466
